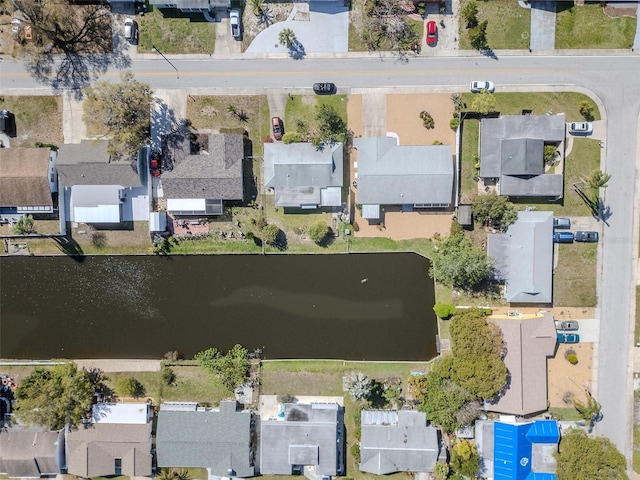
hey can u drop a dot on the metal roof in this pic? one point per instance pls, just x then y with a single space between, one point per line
219 440
392 174
513 449
397 441
302 174
524 256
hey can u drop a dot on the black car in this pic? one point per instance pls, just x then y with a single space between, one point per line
588 237
324 88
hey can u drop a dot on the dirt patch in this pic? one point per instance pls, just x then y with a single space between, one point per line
403 118
615 12
38 119
573 313
565 379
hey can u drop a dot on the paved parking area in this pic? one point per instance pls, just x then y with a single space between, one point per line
543 26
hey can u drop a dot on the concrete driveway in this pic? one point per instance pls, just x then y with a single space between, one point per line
326 31
543 26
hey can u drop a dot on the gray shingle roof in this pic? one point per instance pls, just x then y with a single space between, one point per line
397 441
30 452
88 163
299 172
93 448
24 177
391 174
310 435
216 175
512 149
218 440
524 257
529 342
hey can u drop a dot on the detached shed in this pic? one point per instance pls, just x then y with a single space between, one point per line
464 215
157 222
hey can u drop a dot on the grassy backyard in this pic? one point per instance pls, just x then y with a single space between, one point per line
588 26
38 119
174 32
508 28
470 155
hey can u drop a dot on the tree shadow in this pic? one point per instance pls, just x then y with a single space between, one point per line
70 247
169 134
489 53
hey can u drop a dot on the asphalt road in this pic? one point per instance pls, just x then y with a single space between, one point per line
615 80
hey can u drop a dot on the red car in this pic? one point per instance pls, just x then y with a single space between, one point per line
154 164
432 33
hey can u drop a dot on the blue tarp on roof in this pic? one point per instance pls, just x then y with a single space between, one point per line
513 448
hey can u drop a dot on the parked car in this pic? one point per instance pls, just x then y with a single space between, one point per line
432 33
580 128
478 86
588 237
140 7
234 20
326 88
568 338
155 164
563 237
6 122
570 325
131 31
561 222
277 127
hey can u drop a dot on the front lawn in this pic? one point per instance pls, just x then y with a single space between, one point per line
508 28
302 108
574 279
38 119
587 26
175 32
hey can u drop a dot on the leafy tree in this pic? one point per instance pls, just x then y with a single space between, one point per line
478 36
129 387
588 411
318 231
457 263
55 396
358 385
331 126
583 457
494 210
586 109
168 375
470 14
465 459
483 102
477 348
442 397
232 369
123 108
417 386
270 234
291 137
287 37
550 152
598 179
392 395
24 226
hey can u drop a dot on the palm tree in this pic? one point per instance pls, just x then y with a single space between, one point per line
166 474
598 179
257 7
182 474
287 37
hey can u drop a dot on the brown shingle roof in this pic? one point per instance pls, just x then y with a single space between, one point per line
94 448
24 177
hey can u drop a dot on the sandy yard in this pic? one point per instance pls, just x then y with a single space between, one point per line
565 379
403 120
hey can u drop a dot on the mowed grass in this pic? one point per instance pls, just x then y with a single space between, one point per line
574 279
470 154
38 119
212 112
508 28
512 103
587 26
302 108
174 32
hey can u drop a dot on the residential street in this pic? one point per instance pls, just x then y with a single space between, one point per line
614 80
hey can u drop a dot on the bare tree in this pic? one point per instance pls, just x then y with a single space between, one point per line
386 26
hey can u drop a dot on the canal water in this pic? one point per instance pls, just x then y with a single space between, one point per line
352 307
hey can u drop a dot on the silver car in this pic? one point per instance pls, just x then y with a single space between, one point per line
567 325
131 31
478 86
580 128
234 20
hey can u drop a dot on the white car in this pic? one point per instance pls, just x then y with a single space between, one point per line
580 128
234 17
478 86
131 31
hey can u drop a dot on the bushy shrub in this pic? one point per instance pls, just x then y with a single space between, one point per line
454 123
270 234
573 358
291 137
129 387
444 310
355 453
356 227
168 375
261 222
318 231
427 120
586 109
